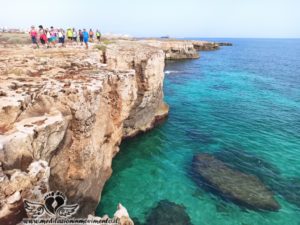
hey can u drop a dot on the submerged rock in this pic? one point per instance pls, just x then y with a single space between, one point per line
243 189
168 213
249 163
288 188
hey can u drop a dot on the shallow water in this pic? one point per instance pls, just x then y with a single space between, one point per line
240 103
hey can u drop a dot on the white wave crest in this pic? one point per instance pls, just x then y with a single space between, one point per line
171 71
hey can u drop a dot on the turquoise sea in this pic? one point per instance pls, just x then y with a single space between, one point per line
241 104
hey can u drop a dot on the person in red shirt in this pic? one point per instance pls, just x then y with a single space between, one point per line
33 35
43 36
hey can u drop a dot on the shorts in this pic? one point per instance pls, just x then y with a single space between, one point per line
81 39
52 39
98 38
74 38
70 38
61 40
43 41
85 40
91 36
33 39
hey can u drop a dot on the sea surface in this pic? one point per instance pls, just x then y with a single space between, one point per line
240 104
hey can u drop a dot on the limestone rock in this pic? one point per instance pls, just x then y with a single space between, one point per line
17 185
67 108
13 211
175 49
205 45
148 107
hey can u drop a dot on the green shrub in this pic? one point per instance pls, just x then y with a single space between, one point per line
107 42
100 47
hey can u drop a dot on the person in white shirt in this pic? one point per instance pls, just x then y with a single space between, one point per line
74 35
61 37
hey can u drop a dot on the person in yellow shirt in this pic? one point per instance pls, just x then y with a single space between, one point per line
70 34
98 35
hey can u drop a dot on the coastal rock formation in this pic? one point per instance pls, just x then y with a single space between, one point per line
68 109
175 49
245 190
184 49
149 107
225 44
209 46
205 45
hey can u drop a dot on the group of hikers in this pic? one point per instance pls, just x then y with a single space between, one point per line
50 37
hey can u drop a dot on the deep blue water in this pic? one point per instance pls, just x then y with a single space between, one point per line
240 104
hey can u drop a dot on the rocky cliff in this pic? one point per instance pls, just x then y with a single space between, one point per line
64 112
70 110
175 49
205 45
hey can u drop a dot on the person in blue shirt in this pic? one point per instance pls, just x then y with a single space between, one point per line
85 38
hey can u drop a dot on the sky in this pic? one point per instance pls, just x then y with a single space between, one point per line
154 18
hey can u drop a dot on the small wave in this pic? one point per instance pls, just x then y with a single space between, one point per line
171 71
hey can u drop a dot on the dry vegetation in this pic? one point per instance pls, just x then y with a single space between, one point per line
102 46
14 38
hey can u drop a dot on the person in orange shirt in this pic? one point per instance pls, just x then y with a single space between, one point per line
91 35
